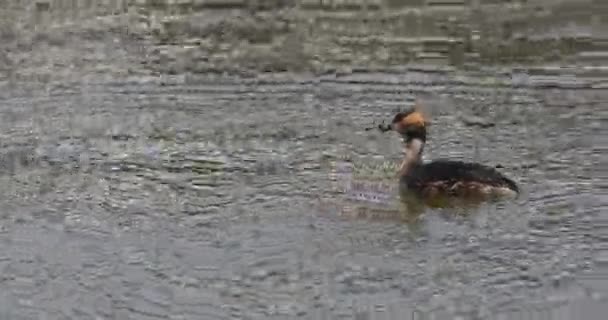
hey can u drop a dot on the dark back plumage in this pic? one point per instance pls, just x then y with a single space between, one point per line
450 172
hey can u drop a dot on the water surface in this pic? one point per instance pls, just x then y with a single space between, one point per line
209 200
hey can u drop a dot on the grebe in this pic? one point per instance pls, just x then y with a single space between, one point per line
443 179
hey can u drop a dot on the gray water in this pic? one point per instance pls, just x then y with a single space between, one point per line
208 199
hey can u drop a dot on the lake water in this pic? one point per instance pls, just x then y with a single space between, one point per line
214 198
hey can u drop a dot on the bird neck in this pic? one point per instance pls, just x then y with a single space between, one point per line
413 155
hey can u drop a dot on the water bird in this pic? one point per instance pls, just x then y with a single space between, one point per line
442 180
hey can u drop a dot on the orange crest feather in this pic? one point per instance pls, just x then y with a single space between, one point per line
414 119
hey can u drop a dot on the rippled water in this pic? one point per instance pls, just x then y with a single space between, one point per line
213 200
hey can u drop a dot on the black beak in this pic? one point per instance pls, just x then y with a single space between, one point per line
382 127
385 127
